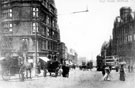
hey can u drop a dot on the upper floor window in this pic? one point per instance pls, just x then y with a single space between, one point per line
7 13
53 23
35 27
10 27
48 34
10 13
35 12
47 20
130 38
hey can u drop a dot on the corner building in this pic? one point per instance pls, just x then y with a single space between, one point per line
29 26
123 43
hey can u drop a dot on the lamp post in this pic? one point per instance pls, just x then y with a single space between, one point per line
35 30
35 61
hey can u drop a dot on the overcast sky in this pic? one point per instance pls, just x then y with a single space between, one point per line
86 32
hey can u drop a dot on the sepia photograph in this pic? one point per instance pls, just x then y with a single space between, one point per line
67 43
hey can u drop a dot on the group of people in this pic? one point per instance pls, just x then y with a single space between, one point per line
130 68
107 70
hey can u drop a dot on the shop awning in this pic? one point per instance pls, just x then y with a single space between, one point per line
44 59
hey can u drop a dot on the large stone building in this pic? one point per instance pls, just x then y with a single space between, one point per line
62 52
29 26
124 35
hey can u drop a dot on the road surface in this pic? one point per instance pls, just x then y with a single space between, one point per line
77 79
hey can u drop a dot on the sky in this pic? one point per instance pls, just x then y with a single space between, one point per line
86 32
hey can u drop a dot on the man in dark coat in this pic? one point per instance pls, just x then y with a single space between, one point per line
103 70
65 70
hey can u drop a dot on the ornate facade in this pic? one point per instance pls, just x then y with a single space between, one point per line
124 35
29 26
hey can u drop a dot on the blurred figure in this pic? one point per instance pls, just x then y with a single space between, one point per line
117 68
122 73
38 67
107 74
129 68
103 70
65 70
132 69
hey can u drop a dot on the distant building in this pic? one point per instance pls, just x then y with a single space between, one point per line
81 60
28 25
62 52
72 56
123 43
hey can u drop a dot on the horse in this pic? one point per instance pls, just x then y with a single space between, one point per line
42 65
25 66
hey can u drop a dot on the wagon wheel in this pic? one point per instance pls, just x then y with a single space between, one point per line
6 75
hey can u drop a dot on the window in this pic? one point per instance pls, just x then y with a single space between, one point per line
35 27
10 13
43 44
7 13
47 32
47 20
35 12
53 23
10 27
129 38
44 31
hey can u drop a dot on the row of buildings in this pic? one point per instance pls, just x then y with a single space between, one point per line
122 43
30 27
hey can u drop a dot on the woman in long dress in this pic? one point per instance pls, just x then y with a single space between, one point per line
122 73
107 74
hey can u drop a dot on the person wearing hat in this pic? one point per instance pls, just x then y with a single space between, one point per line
122 73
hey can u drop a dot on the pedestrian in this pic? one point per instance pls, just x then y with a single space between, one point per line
122 73
38 67
129 68
117 68
103 70
132 69
107 74
65 70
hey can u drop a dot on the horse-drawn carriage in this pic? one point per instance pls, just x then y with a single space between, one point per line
51 66
11 66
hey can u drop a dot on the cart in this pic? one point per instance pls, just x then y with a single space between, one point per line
53 67
49 66
10 67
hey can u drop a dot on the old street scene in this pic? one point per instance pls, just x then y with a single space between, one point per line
67 43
